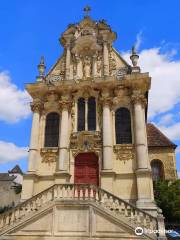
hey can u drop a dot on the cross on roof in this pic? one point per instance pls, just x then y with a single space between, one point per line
87 9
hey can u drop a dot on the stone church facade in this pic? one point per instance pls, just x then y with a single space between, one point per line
92 156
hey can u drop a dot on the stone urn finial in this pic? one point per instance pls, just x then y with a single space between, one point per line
41 68
87 10
134 58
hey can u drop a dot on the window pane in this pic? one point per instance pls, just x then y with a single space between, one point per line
81 114
123 126
157 170
52 130
91 114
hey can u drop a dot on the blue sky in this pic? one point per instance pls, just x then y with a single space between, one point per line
32 28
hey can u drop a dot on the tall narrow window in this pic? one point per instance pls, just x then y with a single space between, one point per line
123 126
157 170
81 114
52 130
91 114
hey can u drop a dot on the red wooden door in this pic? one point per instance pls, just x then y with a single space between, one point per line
86 169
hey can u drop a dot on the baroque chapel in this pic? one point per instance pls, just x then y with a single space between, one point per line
92 157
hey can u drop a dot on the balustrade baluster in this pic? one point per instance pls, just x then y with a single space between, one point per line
7 219
55 192
116 205
125 210
97 196
151 224
86 193
81 193
76 192
1 222
144 220
131 215
91 193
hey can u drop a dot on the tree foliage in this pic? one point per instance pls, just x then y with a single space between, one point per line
167 196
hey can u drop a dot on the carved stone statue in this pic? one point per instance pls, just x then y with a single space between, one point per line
87 67
99 65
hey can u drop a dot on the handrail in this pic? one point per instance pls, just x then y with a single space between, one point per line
81 192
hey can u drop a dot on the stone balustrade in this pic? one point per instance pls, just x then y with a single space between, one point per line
80 192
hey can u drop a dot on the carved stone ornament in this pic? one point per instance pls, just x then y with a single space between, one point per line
124 152
121 72
49 155
112 64
85 141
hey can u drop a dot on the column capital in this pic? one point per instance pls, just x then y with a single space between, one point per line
65 104
106 101
37 106
139 98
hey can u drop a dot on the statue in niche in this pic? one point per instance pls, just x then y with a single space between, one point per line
87 67
99 64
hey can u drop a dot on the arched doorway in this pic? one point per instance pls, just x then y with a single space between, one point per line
86 169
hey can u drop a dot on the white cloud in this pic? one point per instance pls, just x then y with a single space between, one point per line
166 119
178 174
178 149
165 85
14 103
172 131
138 40
9 152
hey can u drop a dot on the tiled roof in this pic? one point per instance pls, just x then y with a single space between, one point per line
6 177
16 169
156 138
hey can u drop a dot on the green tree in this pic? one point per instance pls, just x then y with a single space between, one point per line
167 196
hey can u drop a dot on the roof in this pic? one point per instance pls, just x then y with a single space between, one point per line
6 177
16 169
156 138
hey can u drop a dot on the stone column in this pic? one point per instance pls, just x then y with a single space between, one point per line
64 135
140 133
34 141
86 114
68 61
143 172
107 135
106 58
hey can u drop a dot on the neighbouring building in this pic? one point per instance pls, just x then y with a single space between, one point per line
92 155
9 187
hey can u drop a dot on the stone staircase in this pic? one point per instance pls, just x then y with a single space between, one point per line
115 206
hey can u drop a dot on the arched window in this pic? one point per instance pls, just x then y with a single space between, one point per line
81 114
157 170
91 114
123 126
52 130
